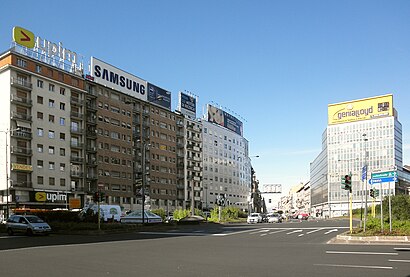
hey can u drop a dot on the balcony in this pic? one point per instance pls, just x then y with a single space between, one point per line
22 101
91 91
20 83
91 107
92 163
91 134
21 116
76 115
77 145
91 120
76 174
92 177
21 134
24 184
91 149
76 101
180 186
180 123
76 159
21 151
76 130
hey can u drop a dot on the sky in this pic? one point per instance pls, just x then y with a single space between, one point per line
276 65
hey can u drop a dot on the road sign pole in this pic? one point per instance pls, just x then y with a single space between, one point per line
381 207
351 211
390 215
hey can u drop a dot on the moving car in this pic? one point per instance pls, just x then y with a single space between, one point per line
274 218
136 217
254 218
28 224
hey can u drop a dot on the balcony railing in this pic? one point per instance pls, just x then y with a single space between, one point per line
21 83
76 114
21 134
19 100
16 115
21 151
76 159
77 145
77 174
75 100
76 130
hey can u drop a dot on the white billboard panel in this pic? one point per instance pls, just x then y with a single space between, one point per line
110 76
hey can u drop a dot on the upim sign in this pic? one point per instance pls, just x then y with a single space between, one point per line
49 197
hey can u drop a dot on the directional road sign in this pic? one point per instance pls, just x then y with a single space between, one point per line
382 180
384 174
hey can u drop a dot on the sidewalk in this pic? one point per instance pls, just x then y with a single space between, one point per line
347 239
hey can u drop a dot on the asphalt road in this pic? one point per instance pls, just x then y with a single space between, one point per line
286 249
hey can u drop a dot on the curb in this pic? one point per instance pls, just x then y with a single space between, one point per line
345 239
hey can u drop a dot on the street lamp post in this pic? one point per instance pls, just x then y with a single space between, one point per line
7 169
365 182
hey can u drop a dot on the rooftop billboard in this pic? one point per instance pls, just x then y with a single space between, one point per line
112 77
187 104
159 96
220 117
363 109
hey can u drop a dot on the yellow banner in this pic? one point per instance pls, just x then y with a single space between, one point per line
23 167
364 109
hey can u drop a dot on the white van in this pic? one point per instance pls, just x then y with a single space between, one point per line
107 212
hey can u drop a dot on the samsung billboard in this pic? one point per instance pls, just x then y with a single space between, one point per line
220 117
159 96
112 77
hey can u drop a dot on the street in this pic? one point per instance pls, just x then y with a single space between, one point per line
286 249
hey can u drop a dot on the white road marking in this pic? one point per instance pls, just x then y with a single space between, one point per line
362 253
400 261
301 235
356 266
296 231
278 231
317 230
331 231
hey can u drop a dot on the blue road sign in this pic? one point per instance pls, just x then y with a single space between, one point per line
382 180
364 173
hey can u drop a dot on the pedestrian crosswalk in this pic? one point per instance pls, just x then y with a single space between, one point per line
297 232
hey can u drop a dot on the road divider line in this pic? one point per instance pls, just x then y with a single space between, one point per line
278 231
356 266
331 231
296 231
361 253
400 261
310 232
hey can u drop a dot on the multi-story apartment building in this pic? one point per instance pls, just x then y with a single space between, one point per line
227 170
362 137
43 131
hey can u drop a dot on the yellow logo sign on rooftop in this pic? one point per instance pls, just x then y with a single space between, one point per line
23 37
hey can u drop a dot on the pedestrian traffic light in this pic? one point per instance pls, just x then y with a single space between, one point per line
372 193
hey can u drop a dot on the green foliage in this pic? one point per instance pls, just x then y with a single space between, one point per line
160 212
400 205
181 213
228 214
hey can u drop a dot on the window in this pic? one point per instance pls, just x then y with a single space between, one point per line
62 121
40 148
40 164
40 180
62 182
62 106
51 118
51 165
39 100
40 132
51 181
51 103
62 151
62 136
62 167
40 84
50 134
21 62
62 91
51 87
38 68
39 115
51 150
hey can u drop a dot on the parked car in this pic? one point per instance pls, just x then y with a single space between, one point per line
136 217
274 218
28 224
254 218
303 216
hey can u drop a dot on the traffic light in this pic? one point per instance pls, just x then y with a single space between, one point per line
96 196
102 196
347 182
372 193
376 192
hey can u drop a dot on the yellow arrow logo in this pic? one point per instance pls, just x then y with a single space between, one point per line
41 197
23 37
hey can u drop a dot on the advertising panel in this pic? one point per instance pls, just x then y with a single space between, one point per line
110 76
225 119
159 96
49 52
363 109
48 197
187 104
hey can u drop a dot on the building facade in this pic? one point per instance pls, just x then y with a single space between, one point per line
362 137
